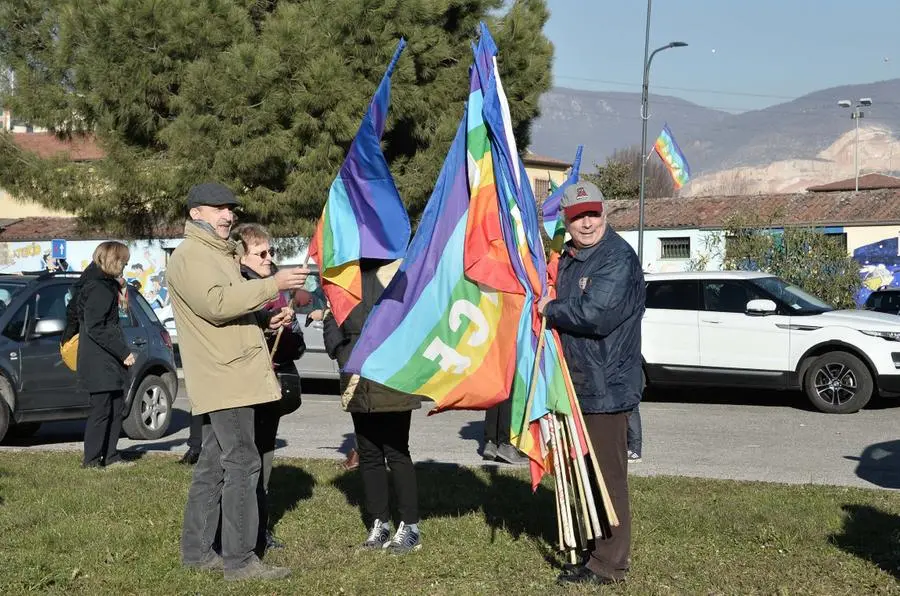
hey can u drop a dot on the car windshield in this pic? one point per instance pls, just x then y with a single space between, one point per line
797 300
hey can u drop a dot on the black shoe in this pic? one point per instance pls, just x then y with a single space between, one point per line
190 458
583 575
490 451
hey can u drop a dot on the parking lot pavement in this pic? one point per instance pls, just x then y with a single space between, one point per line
774 437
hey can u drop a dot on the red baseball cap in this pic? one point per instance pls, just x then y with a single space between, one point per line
581 197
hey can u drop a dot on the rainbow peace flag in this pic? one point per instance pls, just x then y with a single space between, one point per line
517 208
364 216
554 225
550 208
671 154
434 332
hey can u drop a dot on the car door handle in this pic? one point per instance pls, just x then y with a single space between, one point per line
711 321
139 342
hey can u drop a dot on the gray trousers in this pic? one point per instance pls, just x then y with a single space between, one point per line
635 432
223 491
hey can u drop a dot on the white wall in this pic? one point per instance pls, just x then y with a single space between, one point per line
653 262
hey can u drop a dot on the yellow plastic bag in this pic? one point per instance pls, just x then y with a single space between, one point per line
69 352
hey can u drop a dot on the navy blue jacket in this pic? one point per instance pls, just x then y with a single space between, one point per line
598 311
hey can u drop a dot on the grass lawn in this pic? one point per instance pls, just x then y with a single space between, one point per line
64 530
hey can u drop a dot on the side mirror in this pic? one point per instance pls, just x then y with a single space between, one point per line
49 327
761 307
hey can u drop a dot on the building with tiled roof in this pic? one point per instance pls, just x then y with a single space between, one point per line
541 170
46 145
866 182
677 231
819 209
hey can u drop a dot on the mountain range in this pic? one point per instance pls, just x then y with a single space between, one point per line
712 140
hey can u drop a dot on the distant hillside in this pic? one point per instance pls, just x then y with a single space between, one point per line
712 140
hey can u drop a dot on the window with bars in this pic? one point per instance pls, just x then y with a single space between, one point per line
541 188
675 248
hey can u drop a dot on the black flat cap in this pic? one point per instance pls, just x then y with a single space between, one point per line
210 193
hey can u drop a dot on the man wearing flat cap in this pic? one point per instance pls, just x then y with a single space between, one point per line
597 312
227 372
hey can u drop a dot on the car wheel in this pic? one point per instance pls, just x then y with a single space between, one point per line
151 410
5 396
838 383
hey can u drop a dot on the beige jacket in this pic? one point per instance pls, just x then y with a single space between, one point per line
223 350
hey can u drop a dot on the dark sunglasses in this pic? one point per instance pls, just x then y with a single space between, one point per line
265 254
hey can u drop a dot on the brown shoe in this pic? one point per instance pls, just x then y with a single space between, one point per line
352 461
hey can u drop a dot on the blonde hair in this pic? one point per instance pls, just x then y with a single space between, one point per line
111 257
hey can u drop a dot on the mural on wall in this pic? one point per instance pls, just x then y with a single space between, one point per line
879 266
146 270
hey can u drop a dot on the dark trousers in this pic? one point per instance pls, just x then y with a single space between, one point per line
497 421
635 433
380 437
266 429
195 440
609 557
223 491
104 424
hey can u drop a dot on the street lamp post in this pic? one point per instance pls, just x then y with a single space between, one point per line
856 114
645 115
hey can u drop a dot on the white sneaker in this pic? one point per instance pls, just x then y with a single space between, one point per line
378 536
406 540
634 458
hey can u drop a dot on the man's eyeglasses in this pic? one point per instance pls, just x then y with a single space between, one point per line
265 254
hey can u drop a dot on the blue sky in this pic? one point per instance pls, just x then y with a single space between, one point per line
766 51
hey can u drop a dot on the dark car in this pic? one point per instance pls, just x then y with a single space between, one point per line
35 385
884 301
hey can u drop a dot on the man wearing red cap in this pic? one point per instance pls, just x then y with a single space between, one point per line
598 311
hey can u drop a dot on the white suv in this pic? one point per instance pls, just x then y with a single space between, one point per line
745 329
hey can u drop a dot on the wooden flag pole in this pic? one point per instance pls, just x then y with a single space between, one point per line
601 483
275 343
582 516
586 497
559 519
593 517
533 387
561 469
560 502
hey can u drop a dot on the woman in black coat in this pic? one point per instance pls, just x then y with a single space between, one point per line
103 355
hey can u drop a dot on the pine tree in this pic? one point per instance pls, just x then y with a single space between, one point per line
262 95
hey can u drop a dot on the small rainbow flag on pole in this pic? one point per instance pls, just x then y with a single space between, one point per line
671 154
364 216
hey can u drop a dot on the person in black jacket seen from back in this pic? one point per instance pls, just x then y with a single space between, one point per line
103 355
597 311
381 423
